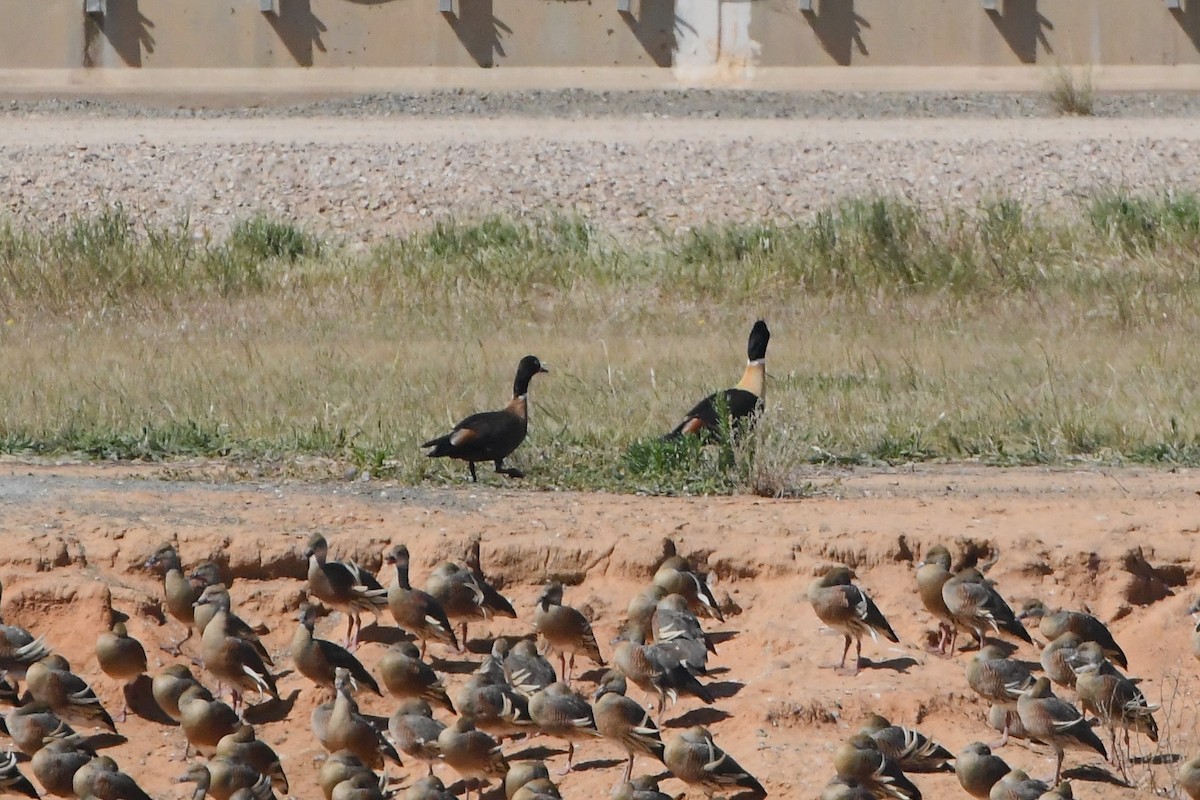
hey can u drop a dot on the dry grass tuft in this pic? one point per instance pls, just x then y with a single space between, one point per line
1155 766
1073 93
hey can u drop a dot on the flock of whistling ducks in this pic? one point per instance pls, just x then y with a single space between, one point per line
1079 658
516 692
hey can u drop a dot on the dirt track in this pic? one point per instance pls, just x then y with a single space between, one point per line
1125 543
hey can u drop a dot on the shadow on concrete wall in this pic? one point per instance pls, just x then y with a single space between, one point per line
126 29
1022 27
654 26
1189 20
838 29
479 30
299 29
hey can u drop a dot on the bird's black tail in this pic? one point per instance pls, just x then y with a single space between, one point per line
436 448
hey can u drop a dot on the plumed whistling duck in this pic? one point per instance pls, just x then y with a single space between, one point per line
743 402
491 435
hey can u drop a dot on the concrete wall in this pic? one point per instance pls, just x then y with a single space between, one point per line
592 33
934 32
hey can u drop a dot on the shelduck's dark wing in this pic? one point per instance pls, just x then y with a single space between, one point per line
703 416
486 436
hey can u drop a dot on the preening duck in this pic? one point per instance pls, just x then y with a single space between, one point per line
491 435
743 402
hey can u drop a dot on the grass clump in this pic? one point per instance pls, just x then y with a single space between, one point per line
263 238
1073 94
497 254
106 261
1141 223
682 465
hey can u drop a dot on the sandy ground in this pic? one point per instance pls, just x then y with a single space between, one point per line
1124 543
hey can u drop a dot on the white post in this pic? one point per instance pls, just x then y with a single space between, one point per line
697 34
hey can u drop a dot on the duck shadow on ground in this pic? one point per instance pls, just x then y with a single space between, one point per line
697 716
591 676
1093 774
599 763
537 753
102 741
382 634
1008 648
718 637
901 665
723 690
141 702
271 710
480 647
453 667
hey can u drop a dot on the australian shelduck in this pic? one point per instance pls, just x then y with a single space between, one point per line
491 435
743 402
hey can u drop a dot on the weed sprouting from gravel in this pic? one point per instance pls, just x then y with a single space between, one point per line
996 333
1072 93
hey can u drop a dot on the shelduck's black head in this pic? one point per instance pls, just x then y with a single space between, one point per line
528 367
756 348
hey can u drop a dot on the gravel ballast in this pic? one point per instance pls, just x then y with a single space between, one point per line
588 103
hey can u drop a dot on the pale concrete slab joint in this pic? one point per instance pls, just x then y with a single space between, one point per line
95 8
